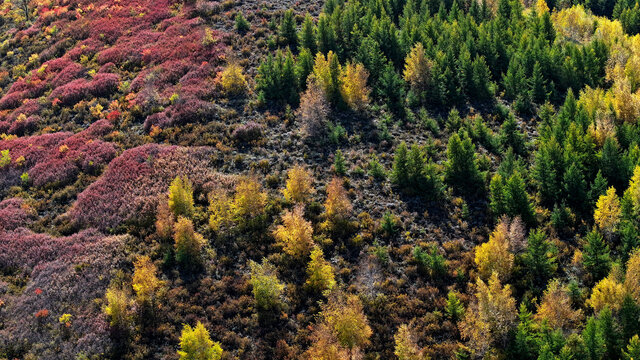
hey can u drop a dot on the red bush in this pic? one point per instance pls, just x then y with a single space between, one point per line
129 189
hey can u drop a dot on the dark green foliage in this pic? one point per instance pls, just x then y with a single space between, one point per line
511 136
517 200
287 32
575 188
596 256
376 170
276 74
307 35
594 343
415 173
242 25
461 168
629 314
430 262
539 261
326 36
339 163
392 89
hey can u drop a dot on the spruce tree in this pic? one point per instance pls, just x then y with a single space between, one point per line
400 173
517 200
461 168
307 35
287 32
596 256
575 188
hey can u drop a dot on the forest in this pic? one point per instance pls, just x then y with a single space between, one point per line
324 180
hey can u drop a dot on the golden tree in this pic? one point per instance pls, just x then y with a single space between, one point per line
632 275
406 347
164 220
249 200
354 89
313 112
196 344
181 197
632 194
145 281
417 69
188 243
295 234
299 187
490 317
494 256
117 308
343 316
555 308
219 209
608 212
337 206
320 272
608 292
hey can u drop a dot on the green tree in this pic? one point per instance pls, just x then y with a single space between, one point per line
195 344
596 258
497 203
267 289
287 31
326 35
339 163
593 340
461 168
188 244
242 25
400 172
308 35
633 349
517 200
575 188
539 261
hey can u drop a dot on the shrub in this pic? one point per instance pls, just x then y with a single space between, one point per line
247 133
233 81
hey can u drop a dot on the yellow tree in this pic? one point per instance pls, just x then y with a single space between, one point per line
555 308
354 89
345 319
491 317
196 344
406 347
417 69
299 187
337 206
249 200
608 292
608 212
181 197
494 256
295 235
219 209
632 194
164 221
188 243
320 272
632 276
145 281
117 308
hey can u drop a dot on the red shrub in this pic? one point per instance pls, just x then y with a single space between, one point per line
13 214
130 187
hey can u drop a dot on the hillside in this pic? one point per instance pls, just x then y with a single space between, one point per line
349 179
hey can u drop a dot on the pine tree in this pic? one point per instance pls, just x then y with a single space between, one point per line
481 80
497 203
538 84
400 172
304 67
339 163
461 168
593 340
575 188
326 36
517 199
633 349
596 256
307 35
287 32
392 89
539 260
511 136
610 333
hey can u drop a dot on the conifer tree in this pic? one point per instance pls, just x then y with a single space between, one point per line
596 256
287 32
461 168
307 35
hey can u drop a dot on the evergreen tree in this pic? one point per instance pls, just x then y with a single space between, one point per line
400 172
511 136
461 168
287 32
517 199
392 90
596 256
593 340
539 261
609 330
538 84
326 36
497 203
575 188
308 35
